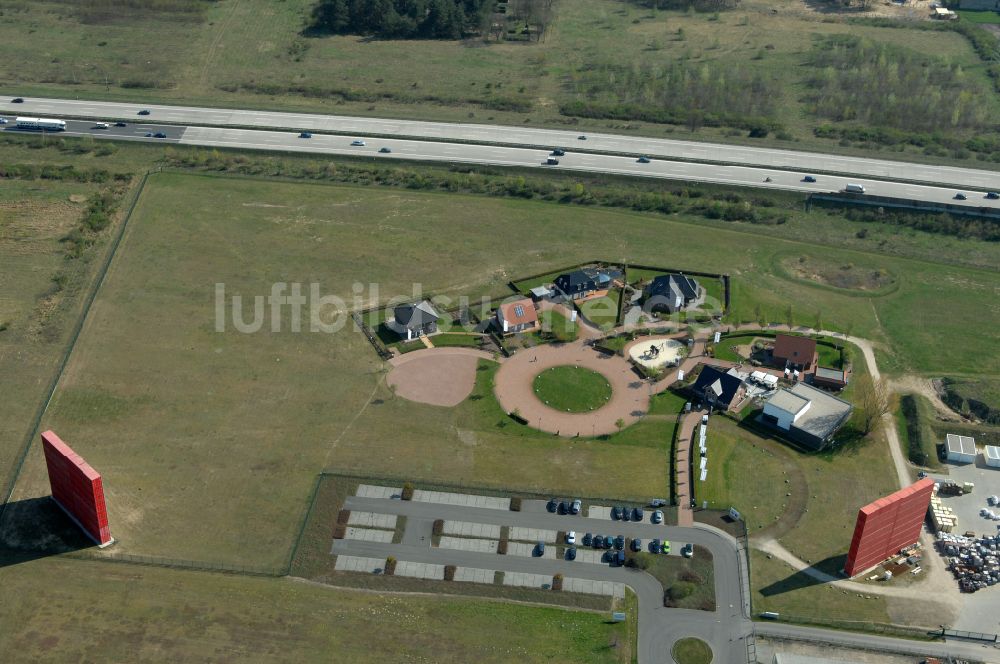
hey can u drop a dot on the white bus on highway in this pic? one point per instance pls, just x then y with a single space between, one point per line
40 124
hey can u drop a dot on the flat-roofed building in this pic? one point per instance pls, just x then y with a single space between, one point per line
961 449
805 414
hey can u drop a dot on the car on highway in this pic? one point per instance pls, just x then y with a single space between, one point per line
636 544
384 150
581 137
571 537
993 195
17 100
588 540
654 546
358 142
305 134
552 505
3 120
687 550
637 514
616 513
144 111
551 161
576 506
159 134
100 125
539 550
643 159
620 542
148 134
656 517
665 546
571 553
809 178
960 196
121 124
558 152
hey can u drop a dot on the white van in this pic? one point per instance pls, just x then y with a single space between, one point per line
854 189
100 125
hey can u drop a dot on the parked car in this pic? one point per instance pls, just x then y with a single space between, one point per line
687 550
17 100
571 553
616 513
144 111
620 542
558 152
636 544
540 549
658 502
576 506
552 505
960 196
657 517
704 418
384 150
357 142
305 134
654 546
643 159
665 546
637 514
159 134
609 541
993 195
121 124
809 178
571 537
563 507
598 541
620 558
626 514
588 540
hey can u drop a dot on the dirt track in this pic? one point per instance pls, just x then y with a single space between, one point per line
436 376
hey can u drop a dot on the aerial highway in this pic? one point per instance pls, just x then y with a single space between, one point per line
144 128
662 148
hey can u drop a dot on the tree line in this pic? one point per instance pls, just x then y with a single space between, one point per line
399 19
697 5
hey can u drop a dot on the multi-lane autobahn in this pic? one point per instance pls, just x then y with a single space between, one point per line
524 147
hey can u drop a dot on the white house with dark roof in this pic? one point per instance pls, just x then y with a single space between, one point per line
412 321
805 414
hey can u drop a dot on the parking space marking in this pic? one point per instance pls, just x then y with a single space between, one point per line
526 580
528 550
461 499
375 491
599 512
368 535
589 556
471 529
419 570
372 520
358 564
532 534
469 544
474 575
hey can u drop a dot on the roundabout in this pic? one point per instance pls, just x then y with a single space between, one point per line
572 389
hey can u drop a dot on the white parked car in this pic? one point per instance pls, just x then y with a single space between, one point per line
571 537
657 517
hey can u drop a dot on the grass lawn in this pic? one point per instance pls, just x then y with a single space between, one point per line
970 16
777 587
154 614
572 389
456 339
917 434
602 311
829 356
555 326
725 349
667 403
695 575
691 651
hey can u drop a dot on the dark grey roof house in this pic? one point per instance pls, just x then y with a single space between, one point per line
718 388
584 282
670 293
412 321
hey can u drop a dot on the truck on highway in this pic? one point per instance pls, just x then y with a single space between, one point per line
40 124
854 189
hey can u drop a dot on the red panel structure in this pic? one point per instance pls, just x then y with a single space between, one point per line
77 488
888 525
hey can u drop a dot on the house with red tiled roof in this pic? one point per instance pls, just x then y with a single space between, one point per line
794 352
517 316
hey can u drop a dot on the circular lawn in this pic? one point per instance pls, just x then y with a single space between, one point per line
692 651
572 389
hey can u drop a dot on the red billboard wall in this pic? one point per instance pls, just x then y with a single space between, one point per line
888 525
76 488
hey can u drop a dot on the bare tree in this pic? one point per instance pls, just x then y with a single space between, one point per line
872 398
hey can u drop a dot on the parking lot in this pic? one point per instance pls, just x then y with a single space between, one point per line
967 507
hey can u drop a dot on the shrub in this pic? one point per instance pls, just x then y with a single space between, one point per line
449 572
408 491
680 590
390 566
438 527
557 582
515 504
